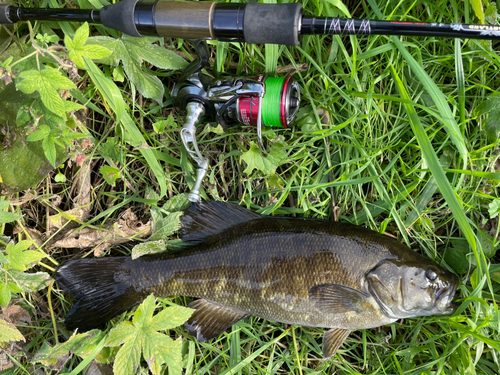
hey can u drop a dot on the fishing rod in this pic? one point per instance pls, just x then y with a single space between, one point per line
258 101
251 23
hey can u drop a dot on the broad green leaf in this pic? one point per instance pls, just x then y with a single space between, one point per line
170 317
47 82
492 125
491 13
167 226
456 255
131 52
4 294
150 247
81 35
78 50
7 217
27 282
19 257
80 344
38 135
8 332
159 126
110 174
49 148
140 338
494 208
177 203
3 259
267 164
490 108
72 106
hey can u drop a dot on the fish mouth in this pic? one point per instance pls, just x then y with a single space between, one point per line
444 299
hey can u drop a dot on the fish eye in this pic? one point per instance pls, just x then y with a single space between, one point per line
430 274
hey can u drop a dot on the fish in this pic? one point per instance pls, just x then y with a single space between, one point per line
298 271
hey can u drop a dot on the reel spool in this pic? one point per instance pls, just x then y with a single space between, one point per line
279 105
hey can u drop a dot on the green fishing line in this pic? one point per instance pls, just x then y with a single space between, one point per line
272 101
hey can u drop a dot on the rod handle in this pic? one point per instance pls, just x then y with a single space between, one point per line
272 23
120 16
4 13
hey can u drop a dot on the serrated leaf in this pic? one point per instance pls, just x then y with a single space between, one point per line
8 332
78 50
491 13
37 136
47 82
49 149
80 344
27 282
267 164
177 203
81 36
7 217
132 52
170 317
150 247
141 337
167 226
19 257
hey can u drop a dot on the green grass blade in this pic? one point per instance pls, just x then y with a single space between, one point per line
437 171
112 95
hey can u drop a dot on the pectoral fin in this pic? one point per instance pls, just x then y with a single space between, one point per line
210 320
336 298
332 340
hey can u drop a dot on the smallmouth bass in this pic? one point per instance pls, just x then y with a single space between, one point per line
298 271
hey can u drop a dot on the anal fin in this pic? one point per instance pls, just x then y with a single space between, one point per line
210 319
332 340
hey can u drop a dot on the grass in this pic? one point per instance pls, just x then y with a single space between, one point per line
401 150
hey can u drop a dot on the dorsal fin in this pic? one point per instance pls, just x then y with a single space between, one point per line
205 219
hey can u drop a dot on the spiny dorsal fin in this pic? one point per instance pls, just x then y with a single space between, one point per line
332 340
210 320
336 298
205 219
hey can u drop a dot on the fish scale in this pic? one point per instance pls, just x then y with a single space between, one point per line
264 266
297 271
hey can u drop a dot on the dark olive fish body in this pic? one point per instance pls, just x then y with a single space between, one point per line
297 271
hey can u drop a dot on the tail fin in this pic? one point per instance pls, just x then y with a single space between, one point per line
103 288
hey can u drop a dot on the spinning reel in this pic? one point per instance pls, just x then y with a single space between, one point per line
258 101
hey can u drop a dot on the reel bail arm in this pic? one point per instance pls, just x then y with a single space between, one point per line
195 111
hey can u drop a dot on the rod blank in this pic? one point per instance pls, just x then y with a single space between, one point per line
253 22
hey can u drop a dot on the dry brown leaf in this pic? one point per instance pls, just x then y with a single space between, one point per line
16 315
81 203
123 230
290 69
